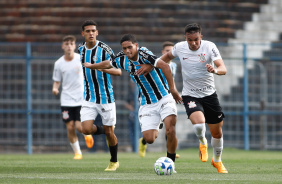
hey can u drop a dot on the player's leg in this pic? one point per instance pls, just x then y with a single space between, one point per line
170 122
68 119
194 110
70 125
168 113
88 138
198 120
149 119
108 115
177 155
88 114
78 125
214 119
217 144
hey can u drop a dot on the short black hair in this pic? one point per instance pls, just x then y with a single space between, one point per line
167 43
88 23
128 37
69 38
193 28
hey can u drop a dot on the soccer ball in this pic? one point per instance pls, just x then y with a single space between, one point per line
164 166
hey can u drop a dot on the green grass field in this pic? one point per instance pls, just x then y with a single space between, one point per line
243 166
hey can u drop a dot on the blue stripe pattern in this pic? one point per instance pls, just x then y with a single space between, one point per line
153 86
97 85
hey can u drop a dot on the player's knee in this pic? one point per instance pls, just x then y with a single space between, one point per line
217 135
149 140
171 132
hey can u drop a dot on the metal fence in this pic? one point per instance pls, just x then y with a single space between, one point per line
30 118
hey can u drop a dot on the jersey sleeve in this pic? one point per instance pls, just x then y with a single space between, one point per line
215 55
148 57
110 55
57 75
116 63
174 51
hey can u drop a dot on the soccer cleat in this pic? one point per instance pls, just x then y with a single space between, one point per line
219 166
112 166
177 156
77 156
89 141
203 152
142 148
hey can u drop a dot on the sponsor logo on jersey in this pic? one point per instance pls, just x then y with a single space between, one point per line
214 53
143 115
185 58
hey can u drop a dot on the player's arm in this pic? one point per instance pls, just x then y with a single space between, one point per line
112 71
220 67
102 65
168 75
167 57
55 89
144 69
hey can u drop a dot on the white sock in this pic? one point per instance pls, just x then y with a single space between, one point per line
76 148
200 131
217 145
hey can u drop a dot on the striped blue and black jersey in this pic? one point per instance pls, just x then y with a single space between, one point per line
98 87
153 86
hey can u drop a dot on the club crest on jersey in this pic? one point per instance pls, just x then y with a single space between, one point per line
95 58
202 58
65 114
192 104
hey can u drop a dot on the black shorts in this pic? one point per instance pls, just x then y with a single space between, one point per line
70 113
209 105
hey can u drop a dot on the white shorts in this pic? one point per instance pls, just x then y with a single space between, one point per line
90 110
151 114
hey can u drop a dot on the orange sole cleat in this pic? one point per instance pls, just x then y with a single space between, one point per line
203 152
89 141
219 166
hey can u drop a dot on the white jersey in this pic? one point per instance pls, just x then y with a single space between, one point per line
69 74
197 81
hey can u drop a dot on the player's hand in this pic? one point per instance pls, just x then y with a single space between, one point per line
87 65
176 96
210 68
55 91
144 69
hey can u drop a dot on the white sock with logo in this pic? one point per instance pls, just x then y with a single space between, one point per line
200 131
76 148
217 145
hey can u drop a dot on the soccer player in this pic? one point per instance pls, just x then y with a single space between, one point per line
201 60
98 90
167 47
68 71
156 89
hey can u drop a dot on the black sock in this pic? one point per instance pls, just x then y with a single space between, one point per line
171 156
143 141
113 151
100 130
